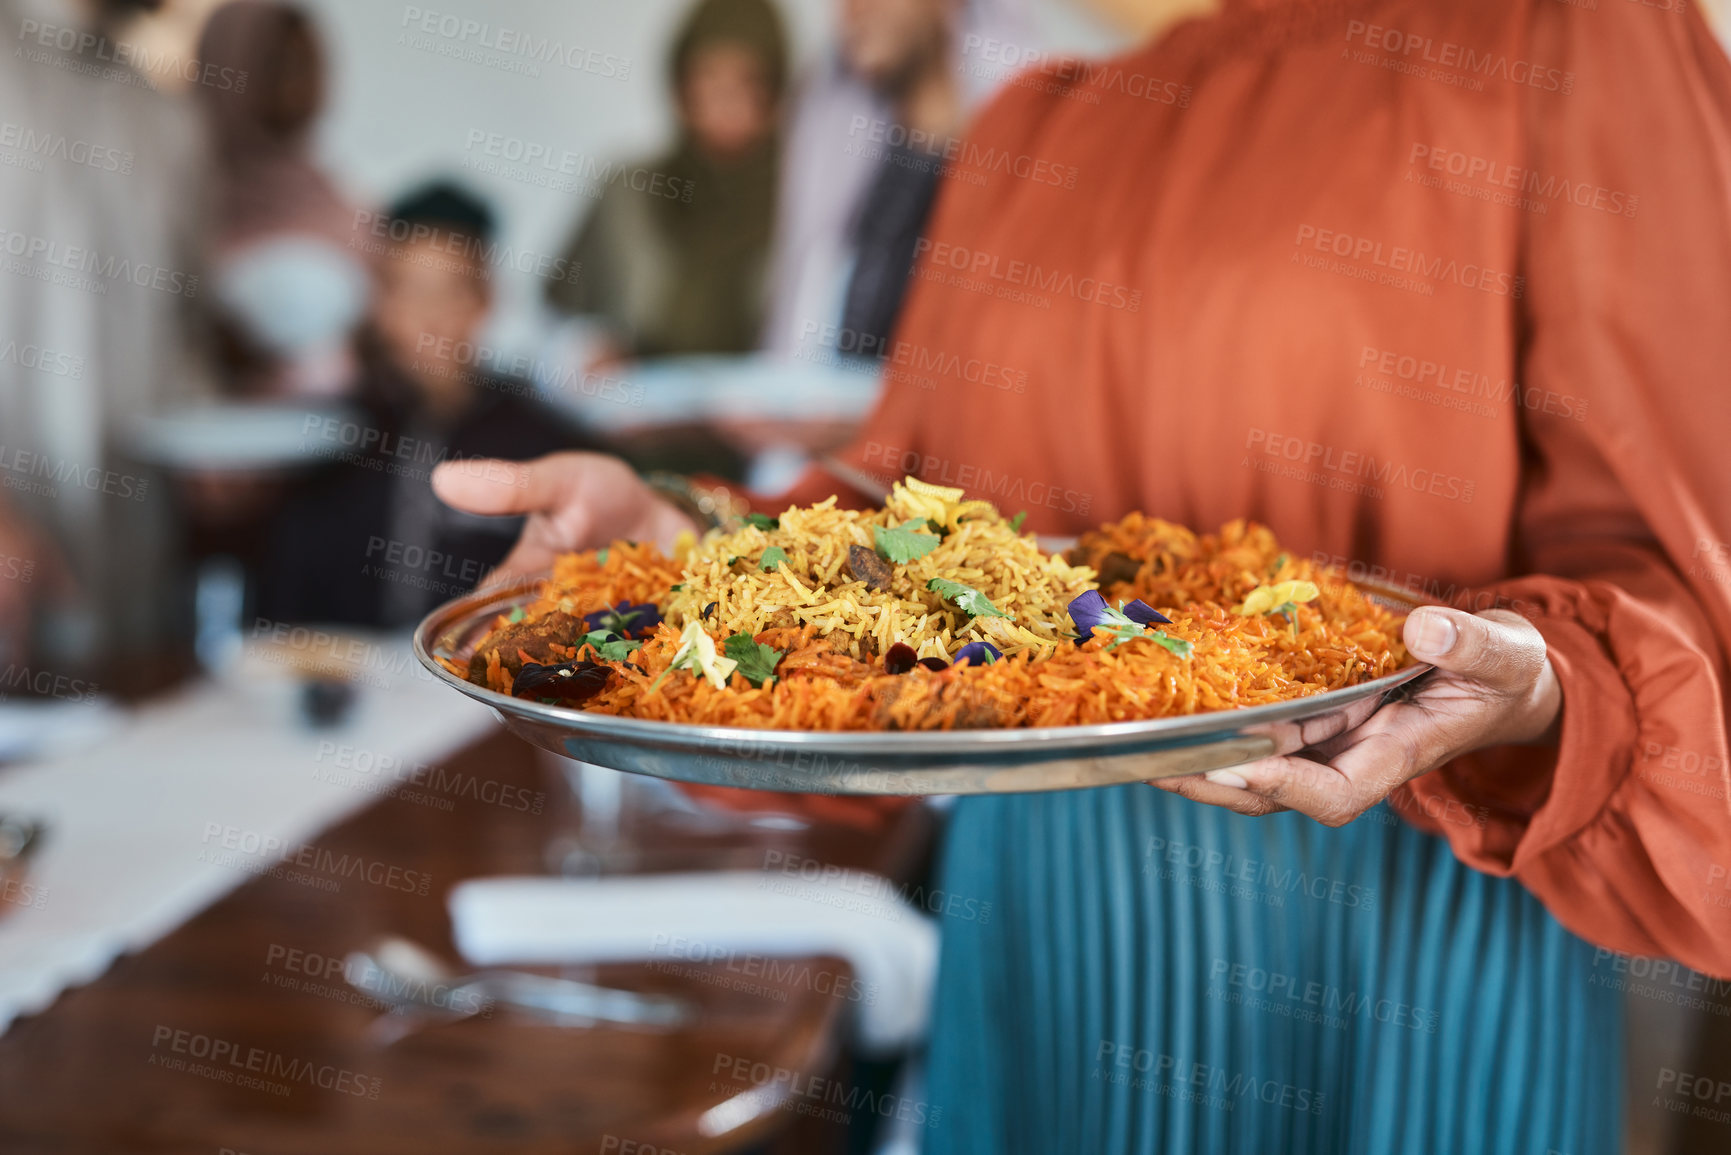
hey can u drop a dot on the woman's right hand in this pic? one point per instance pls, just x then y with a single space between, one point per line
574 501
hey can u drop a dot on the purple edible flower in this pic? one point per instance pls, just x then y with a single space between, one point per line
567 684
978 653
1090 610
1144 614
625 619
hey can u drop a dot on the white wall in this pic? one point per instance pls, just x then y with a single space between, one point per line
400 114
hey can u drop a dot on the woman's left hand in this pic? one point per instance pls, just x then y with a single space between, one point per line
1493 686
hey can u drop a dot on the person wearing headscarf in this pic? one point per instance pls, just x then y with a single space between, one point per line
291 284
672 258
872 132
1433 289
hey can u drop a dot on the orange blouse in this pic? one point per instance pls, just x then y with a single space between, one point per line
1436 289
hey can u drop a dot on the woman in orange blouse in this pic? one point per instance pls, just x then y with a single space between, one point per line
1436 291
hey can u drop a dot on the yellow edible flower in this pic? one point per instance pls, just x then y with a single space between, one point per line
1262 599
697 653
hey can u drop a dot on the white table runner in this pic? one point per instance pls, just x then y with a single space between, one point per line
130 852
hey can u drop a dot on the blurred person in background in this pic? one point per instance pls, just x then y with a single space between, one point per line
101 189
291 286
366 543
871 132
672 258
1389 937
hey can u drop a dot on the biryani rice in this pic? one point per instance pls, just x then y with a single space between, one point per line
831 628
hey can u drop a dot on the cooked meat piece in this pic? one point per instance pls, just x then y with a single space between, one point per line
927 701
533 637
866 566
1117 568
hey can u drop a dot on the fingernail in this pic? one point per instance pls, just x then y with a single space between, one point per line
1433 637
1226 778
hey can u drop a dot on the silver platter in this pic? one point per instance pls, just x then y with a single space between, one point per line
929 762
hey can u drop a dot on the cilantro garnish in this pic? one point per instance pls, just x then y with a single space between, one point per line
772 557
610 645
601 556
965 598
762 521
903 543
757 661
1177 645
516 615
1016 522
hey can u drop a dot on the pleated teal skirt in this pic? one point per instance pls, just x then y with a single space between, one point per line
1125 972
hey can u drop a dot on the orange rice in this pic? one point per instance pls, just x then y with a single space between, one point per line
1337 640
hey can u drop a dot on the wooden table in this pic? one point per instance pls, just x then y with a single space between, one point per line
156 1055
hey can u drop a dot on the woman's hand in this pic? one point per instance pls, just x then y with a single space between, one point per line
574 501
1493 686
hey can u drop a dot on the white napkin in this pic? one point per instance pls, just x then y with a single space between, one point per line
738 919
